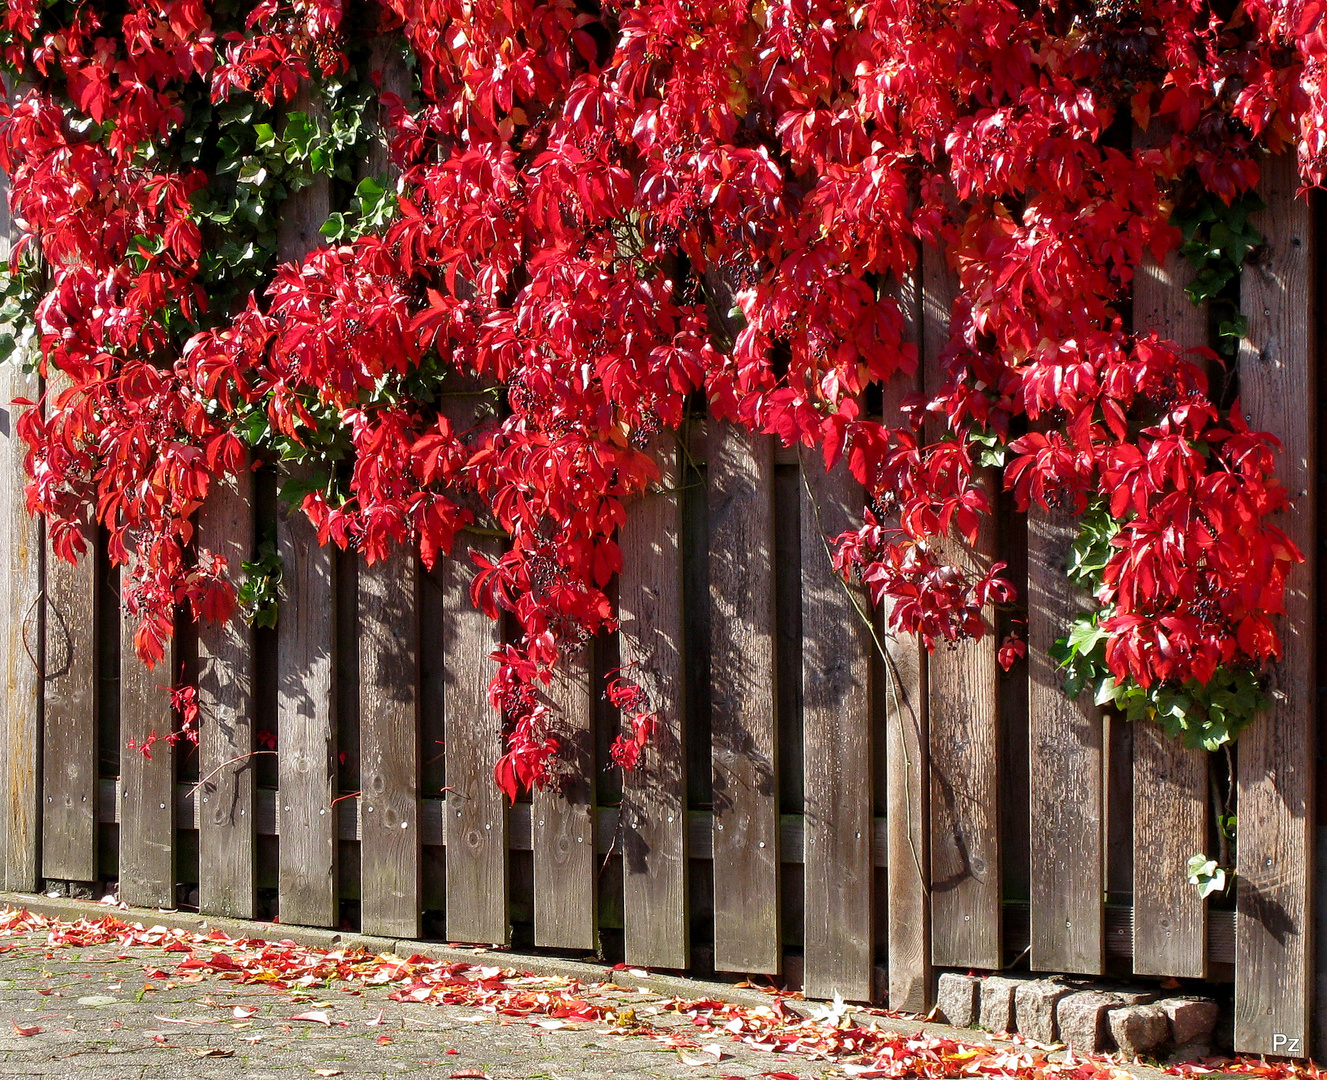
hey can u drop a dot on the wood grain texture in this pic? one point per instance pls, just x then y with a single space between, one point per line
1065 774
147 785
743 681
565 872
1273 924
836 695
907 747
306 649
963 715
69 712
226 837
389 745
654 848
306 723
21 556
1170 815
477 872
1170 805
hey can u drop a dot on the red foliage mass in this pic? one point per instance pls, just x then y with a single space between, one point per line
585 192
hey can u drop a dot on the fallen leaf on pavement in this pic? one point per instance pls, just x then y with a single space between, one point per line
383 1040
243 1012
704 1055
376 1021
314 1018
211 1051
470 1074
326 1072
31 1029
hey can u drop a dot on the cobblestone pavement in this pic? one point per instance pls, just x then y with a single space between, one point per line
112 1013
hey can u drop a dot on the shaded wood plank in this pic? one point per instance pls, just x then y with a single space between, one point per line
1273 931
836 695
306 723
478 885
743 680
69 718
389 745
963 714
654 849
1170 806
306 649
907 746
226 837
147 785
562 813
1066 770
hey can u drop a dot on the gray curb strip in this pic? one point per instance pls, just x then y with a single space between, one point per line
551 966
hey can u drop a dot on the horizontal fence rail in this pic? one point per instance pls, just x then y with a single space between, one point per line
824 803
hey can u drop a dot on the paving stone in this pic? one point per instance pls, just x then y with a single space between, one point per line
997 1002
1081 1018
1034 1007
1138 1029
1191 1019
956 998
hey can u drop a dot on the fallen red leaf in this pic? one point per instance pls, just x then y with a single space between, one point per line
318 1017
20 1029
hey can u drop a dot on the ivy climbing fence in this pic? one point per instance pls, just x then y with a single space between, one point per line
821 803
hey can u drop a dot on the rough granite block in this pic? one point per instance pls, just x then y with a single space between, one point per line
1191 1019
1138 1029
1034 1007
1081 1018
997 1003
956 998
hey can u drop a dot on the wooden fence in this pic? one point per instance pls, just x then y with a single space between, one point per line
849 817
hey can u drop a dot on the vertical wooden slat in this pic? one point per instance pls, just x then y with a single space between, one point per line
963 715
743 695
1065 748
1170 814
69 721
1273 923
226 844
477 872
389 745
907 745
21 552
836 694
306 724
147 785
476 810
306 651
563 813
654 807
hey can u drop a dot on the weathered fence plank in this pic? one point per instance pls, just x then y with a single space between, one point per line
907 746
389 745
1170 815
563 817
837 719
21 702
306 723
477 871
1273 929
1067 879
743 680
654 849
963 717
226 884
306 650
69 719
147 783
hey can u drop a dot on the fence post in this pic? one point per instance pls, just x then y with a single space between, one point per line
21 551
1273 915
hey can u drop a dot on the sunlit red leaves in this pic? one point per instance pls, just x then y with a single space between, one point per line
601 214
